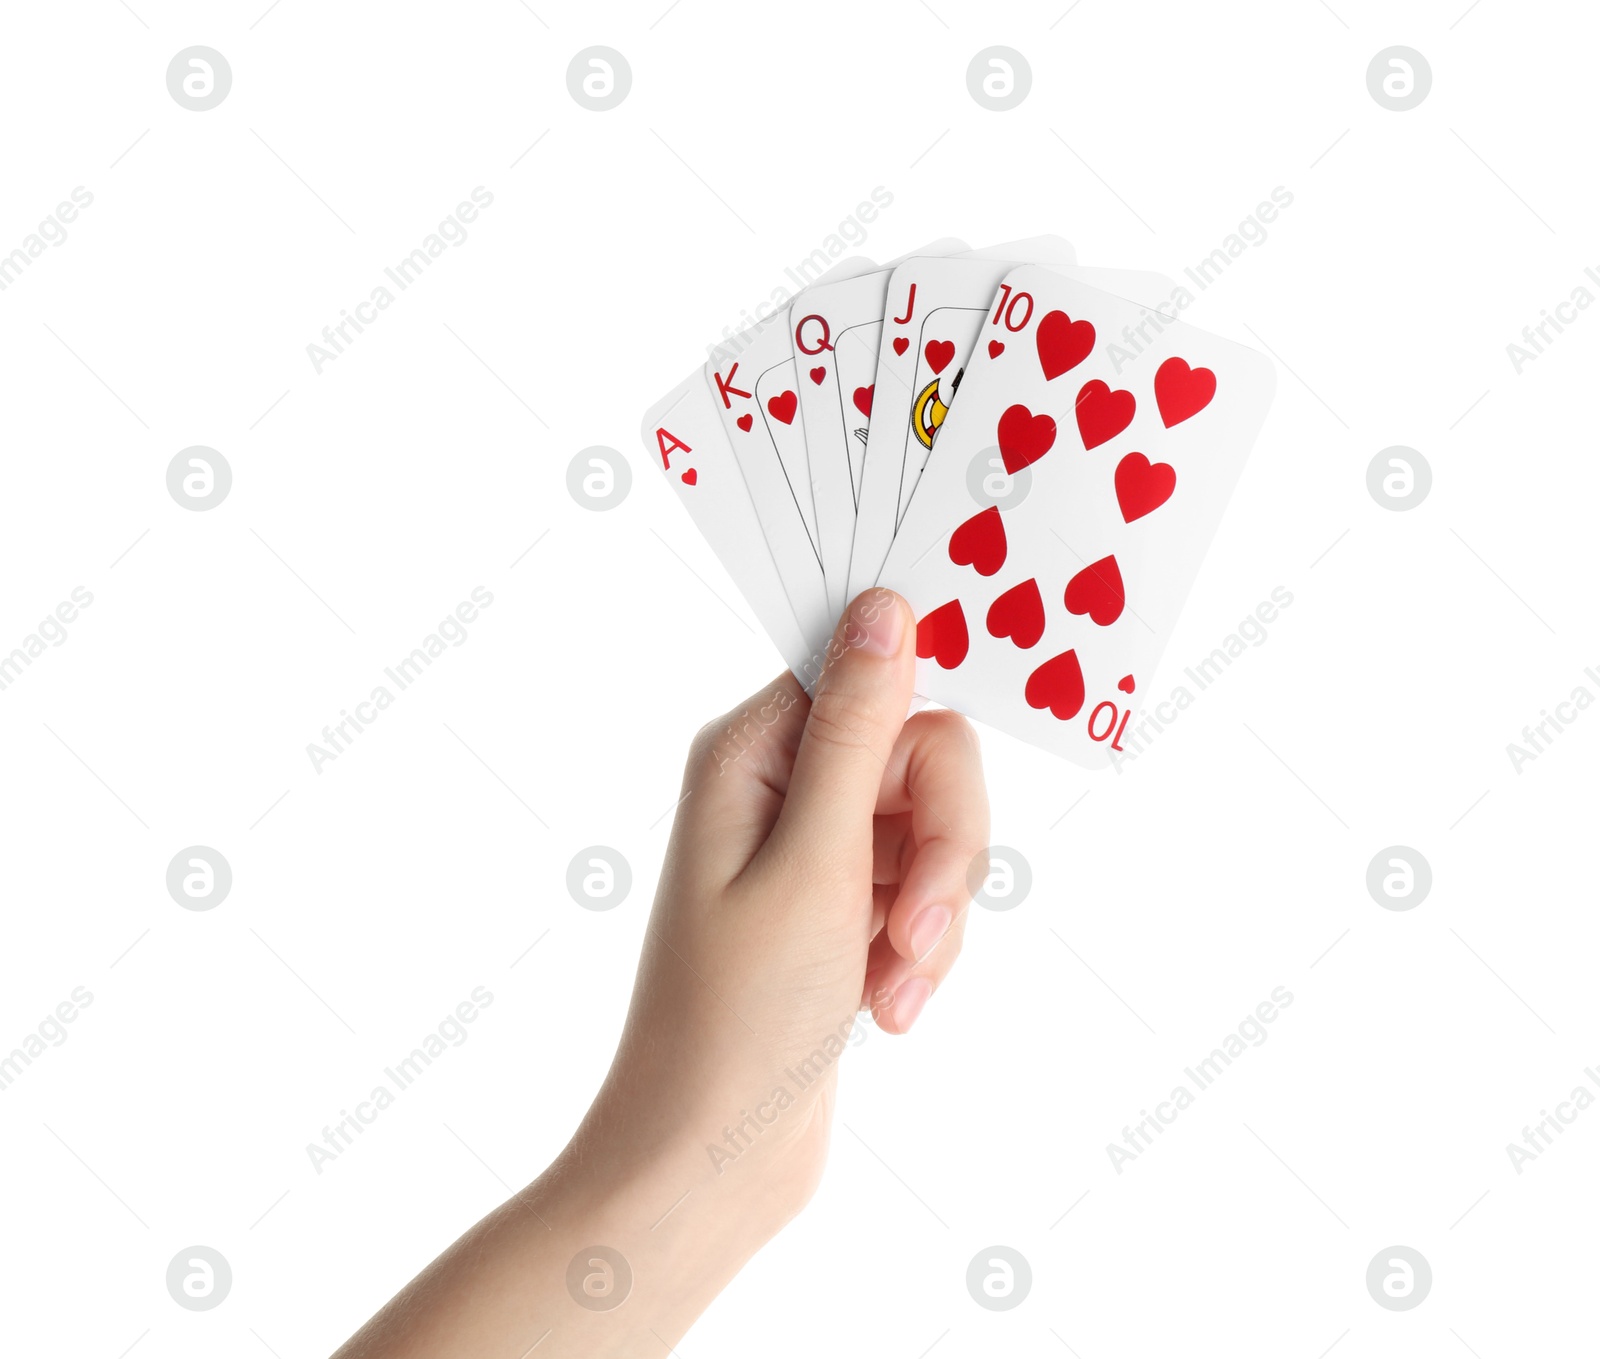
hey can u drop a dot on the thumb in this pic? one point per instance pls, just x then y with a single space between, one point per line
859 706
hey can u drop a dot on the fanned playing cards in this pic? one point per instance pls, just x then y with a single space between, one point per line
1035 455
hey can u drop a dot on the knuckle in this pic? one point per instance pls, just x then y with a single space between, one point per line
701 746
947 725
738 730
841 720
707 751
732 737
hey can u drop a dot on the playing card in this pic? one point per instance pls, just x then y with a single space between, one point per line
1046 583
685 436
950 316
753 384
935 311
834 328
778 407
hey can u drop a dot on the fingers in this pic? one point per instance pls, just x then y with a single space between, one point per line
892 849
937 770
850 731
897 989
737 773
934 805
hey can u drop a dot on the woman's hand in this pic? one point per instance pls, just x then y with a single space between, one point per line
819 862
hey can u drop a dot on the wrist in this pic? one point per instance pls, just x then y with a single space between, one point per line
680 1212
740 1173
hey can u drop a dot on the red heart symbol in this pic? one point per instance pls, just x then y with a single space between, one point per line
689 477
1097 591
782 406
980 542
938 353
1058 686
745 421
1018 614
817 374
901 344
1182 391
1063 343
1143 486
1126 684
863 399
996 348
1102 413
1024 437
942 635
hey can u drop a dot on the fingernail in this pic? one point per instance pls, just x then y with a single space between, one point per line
909 1000
928 929
882 623
866 989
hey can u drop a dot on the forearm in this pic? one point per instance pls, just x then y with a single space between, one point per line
794 882
674 1232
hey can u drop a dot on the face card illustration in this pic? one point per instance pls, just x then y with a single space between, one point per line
684 437
1066 506
855 357
936 309
766 437
831 331
834 328
732 382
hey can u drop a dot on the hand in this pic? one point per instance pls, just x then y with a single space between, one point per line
819 862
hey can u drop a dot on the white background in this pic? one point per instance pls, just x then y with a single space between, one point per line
369 500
